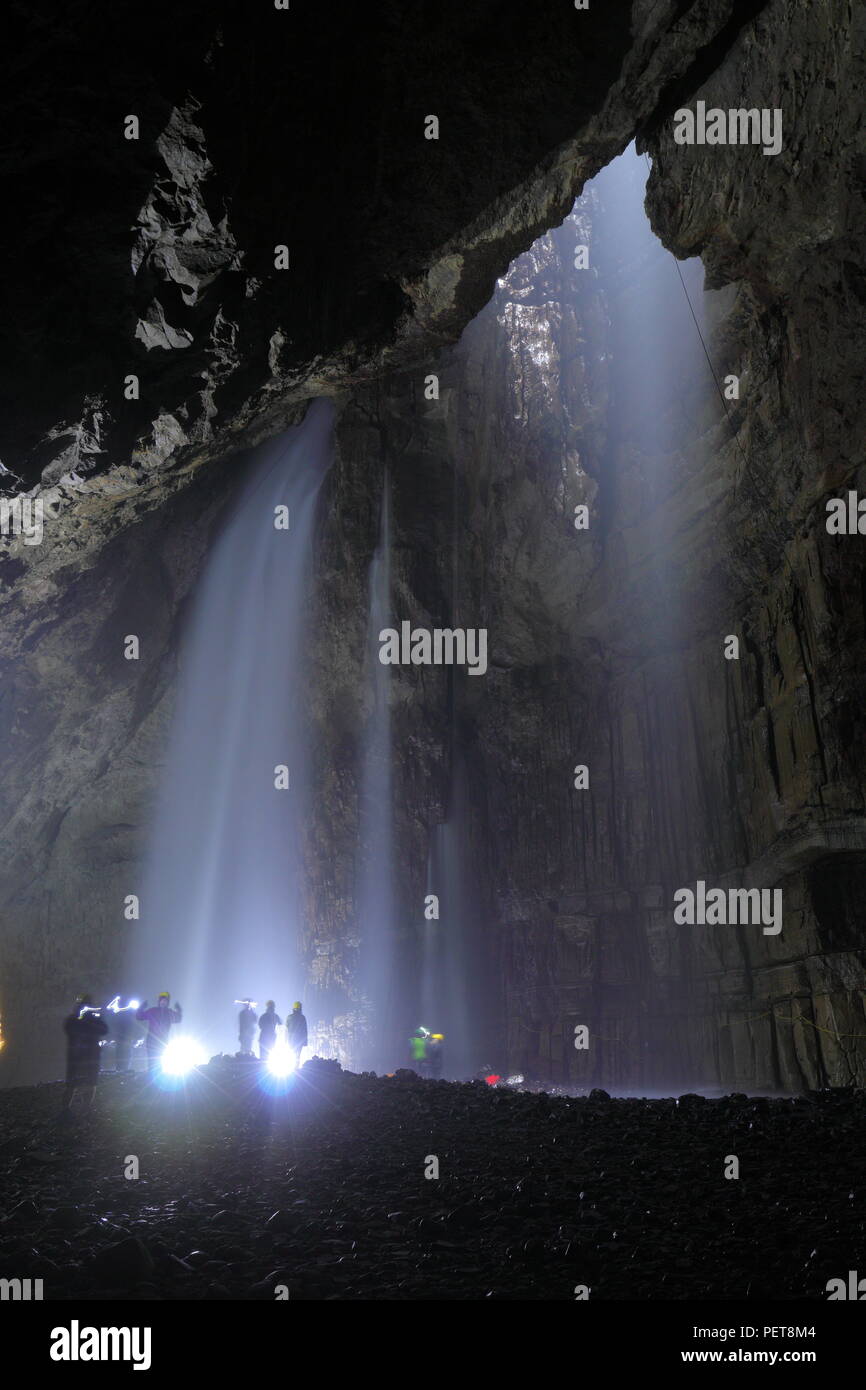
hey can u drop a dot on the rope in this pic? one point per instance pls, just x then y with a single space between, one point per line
783 553
734 435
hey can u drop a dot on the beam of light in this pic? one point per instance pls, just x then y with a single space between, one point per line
453 988
379 984
228 834
182 1055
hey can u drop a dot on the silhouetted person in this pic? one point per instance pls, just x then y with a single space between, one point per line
160 1021
434 1054
296 1033
123 1030
246 1028
268 1025
84 1029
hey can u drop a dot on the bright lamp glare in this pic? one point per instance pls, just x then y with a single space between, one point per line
281 1061
182 1055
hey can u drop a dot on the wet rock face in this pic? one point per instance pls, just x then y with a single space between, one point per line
795 334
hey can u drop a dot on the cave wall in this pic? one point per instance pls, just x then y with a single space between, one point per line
785 233
84 735
748 771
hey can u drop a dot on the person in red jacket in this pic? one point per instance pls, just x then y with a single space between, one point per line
160 1021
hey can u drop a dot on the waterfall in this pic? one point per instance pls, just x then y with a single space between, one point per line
433 935
221 908
380 1046
661 387
453 988
452 982
655 342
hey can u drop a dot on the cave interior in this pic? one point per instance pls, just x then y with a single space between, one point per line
558 377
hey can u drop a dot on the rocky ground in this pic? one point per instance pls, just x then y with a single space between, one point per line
322 1189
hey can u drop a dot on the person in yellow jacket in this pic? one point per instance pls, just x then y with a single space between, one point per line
434 1054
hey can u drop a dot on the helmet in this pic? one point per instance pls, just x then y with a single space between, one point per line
296 1005
438 1037
164 995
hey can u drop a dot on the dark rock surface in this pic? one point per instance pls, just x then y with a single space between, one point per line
323 1191
305 128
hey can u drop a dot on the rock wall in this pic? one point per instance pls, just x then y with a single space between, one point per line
84 735
784 231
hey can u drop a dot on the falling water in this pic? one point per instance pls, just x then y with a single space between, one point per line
655 345
379 1046
221 907
661 387
452 986
432 935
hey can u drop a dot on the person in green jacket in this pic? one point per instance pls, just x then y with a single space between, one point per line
418 1050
